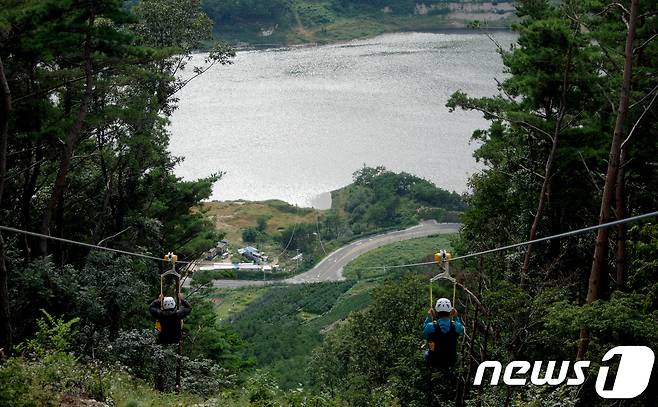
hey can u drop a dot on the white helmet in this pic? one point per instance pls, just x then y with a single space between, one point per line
443 305
168 303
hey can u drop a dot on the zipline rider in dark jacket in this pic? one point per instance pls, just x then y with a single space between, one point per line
170 318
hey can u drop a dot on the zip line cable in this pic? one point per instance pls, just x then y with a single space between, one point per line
543 239
512 246
89 245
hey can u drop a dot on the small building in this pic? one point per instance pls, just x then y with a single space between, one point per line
252 254
220 249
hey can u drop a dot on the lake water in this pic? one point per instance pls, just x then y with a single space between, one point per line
295 123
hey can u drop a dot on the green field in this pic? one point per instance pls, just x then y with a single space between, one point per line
406 252
229 302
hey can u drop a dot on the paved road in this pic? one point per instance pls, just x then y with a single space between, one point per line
331 267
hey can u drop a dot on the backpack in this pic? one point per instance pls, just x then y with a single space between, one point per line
442 347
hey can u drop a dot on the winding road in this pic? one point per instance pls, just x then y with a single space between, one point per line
331 267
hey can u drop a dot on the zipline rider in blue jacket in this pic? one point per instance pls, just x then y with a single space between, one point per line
441 333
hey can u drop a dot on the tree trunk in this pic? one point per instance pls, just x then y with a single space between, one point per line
107 195
620 204
72 138
538 213
29 189
548 169
598 261
5 109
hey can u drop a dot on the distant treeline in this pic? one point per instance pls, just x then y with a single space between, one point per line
280 11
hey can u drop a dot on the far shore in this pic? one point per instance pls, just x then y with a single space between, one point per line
251 46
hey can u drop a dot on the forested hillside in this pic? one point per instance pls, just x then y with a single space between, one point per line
87 89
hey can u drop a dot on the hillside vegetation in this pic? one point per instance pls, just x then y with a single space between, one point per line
378 200
232 217
321 21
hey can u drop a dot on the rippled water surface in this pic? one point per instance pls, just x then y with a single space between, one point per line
294 123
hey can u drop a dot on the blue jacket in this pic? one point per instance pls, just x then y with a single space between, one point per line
443 324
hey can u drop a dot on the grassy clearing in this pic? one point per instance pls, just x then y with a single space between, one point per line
408 251
230 302
234 216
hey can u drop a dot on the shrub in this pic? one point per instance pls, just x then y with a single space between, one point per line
249 235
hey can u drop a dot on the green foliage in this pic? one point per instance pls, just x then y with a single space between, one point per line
381 198
249 235
376 353
261 223
210 340
59 379
14 388
38 383
262 389
108 294
138 351
312 14
47 372
53 335
164 24
643 252
299 237
357 298
29 294
276 328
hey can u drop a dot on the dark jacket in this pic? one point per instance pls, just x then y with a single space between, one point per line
170 320
441 338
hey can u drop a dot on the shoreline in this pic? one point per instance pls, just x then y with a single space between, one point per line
295 45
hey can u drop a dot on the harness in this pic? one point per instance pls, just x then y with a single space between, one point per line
442 346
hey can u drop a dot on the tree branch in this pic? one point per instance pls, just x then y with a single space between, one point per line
113 236
646 109
644 43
